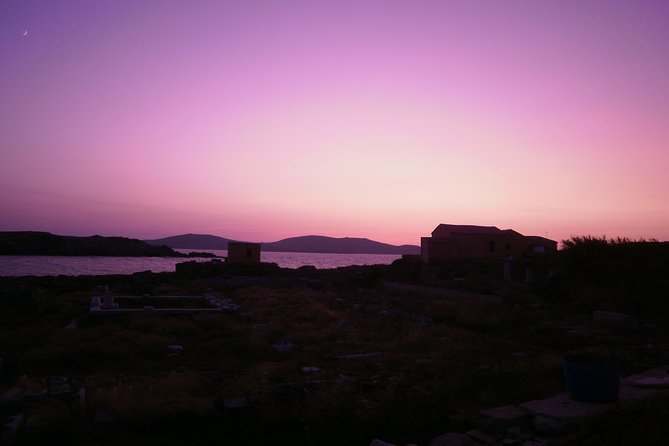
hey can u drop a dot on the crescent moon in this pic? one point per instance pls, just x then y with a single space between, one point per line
25 33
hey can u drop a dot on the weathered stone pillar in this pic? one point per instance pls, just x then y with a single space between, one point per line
529 275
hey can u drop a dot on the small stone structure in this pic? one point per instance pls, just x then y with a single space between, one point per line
449 242
243 252
108 300
109 304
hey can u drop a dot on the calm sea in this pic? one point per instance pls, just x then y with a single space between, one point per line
75 266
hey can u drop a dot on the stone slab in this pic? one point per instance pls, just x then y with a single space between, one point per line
562 440
561 407
377 442
649 381
452 439
483 437
359 355
236 403
549 426
658 373
629 393
496 420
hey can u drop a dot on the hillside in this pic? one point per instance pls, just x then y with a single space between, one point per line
47 244
192 241
309 243
346 245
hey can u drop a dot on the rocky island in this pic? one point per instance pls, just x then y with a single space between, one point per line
47 244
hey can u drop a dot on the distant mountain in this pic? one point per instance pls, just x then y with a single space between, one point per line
192 241
47 244
309 243
346 245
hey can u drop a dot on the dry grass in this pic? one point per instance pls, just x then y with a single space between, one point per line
437 362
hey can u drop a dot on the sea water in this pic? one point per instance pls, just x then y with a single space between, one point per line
100 265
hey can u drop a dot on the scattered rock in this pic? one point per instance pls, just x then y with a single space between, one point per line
81 394
650 381
207 403
283 347
563 408
574 329
104 415
306 269
11 429
483 437
58 385
498 419
377 442
564 440
609 317
359 355
12 395
519 432
349 325
483 369
236 403
175 349
549 426
452 439
72 325
422 320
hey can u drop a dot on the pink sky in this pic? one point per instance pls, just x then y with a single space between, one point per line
379 119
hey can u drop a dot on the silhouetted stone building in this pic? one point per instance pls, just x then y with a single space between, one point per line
488 242
243 252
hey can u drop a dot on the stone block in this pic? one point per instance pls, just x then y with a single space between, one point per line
175 348
483 437
562 440
611 318
519 432
10 431
549 426
452 439
283 347
658 373
377 442
561 407
496 420
104 415
12 394
236 403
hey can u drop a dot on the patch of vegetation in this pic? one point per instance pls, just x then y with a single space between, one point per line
321 357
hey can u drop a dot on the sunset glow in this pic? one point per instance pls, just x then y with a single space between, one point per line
379 119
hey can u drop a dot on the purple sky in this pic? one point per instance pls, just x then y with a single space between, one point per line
379 119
